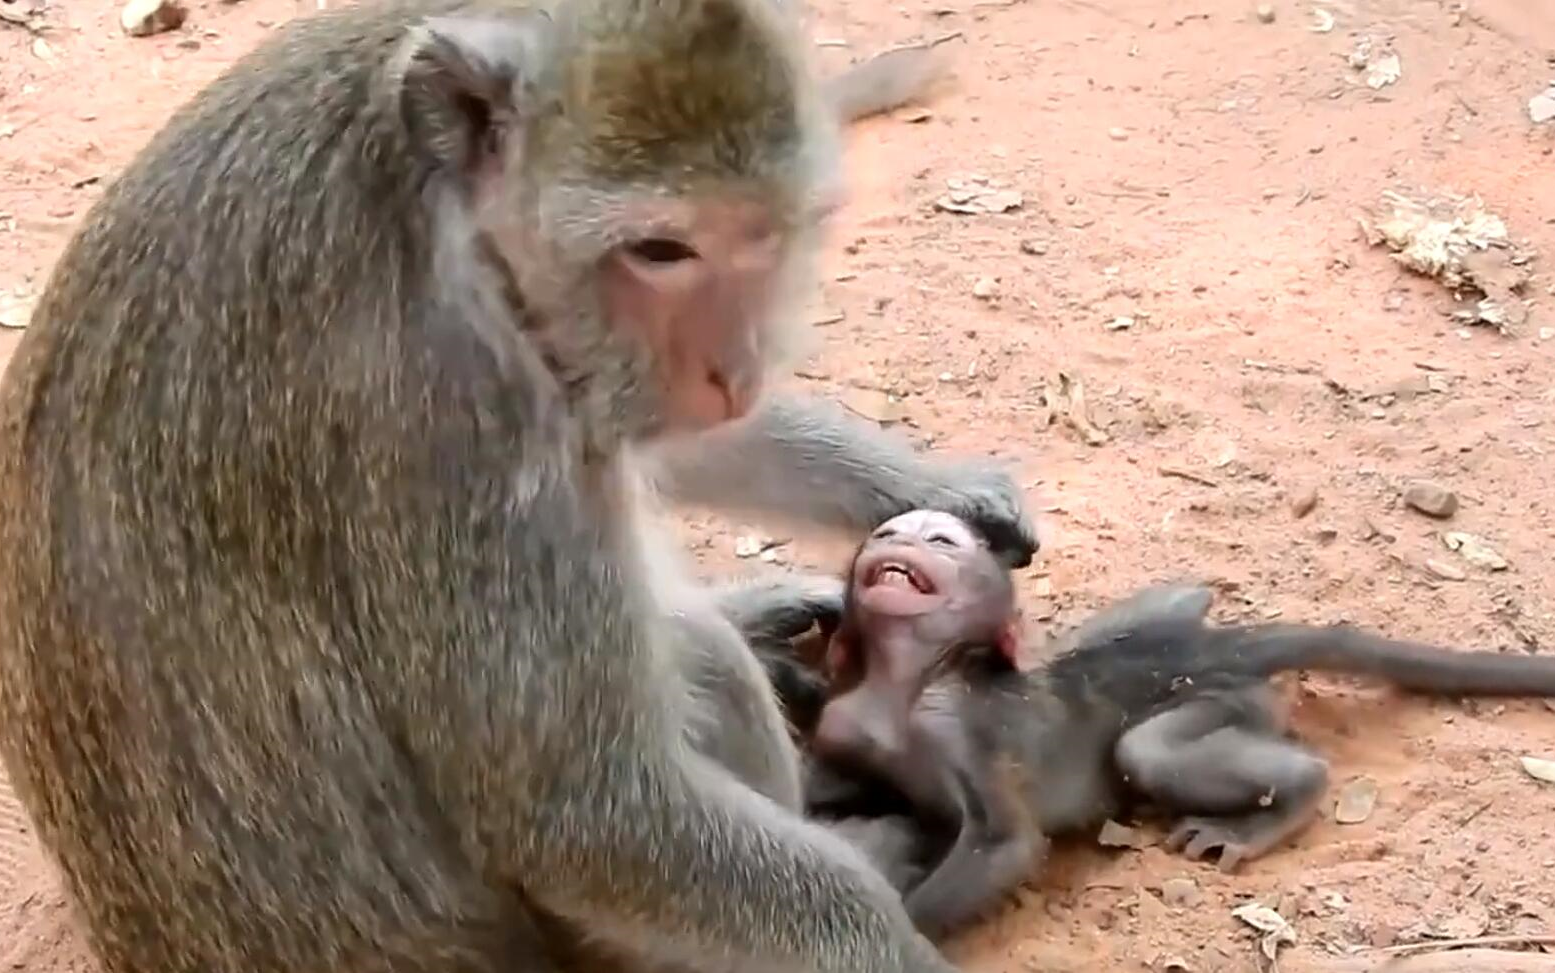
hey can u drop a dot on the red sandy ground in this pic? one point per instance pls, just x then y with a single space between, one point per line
1195 168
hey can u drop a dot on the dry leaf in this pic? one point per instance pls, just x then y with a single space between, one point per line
1539 769
1068 400
1276 931
1356 801
975 196
15 313
1383 71
874 405
1456 241
1115 835
752 545
1474 550
1541 108
1445 571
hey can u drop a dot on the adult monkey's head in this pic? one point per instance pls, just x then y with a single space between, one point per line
651 175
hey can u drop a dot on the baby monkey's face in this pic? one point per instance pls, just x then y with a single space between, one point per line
923 561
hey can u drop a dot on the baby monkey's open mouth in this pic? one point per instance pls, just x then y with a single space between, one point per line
899 574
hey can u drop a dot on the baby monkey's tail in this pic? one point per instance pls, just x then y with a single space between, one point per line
1264 650
885 81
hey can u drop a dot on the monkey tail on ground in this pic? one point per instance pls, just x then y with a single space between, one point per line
1264 650
886 81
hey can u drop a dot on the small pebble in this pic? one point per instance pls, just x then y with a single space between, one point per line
1431 499
142 18
1181 893
1266 13
1117 134
1304 503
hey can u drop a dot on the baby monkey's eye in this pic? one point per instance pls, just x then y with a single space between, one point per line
883 532
661 250
943 540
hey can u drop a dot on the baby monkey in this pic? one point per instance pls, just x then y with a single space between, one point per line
930 694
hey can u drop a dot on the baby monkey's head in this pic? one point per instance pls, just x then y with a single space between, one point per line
923 592
933 572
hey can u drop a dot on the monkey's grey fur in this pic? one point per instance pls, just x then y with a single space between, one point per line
334 635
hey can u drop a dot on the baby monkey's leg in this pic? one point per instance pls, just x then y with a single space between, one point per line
1223 761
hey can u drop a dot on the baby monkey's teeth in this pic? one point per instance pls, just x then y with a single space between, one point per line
895 576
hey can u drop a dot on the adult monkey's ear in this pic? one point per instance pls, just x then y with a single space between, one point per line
463 81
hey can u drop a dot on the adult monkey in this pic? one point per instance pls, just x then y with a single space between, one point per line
330 636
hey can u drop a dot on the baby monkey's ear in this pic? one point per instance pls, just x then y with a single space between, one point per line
841 653
1014 645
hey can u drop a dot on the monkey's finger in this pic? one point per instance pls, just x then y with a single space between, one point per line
1185 831
1231 857
1012 541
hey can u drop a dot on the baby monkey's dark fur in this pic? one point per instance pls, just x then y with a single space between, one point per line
1144 703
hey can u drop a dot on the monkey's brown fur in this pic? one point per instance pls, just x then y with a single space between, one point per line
334 634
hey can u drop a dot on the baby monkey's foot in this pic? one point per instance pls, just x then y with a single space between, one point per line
1239 839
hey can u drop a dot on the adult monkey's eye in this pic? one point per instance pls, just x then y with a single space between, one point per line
661 250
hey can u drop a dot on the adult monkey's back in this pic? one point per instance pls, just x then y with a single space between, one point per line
327 637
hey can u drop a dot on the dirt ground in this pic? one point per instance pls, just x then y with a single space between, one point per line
1185 257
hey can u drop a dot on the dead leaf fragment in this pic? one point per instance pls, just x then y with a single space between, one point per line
1115 835
1445 571
1541 107
41 50
1383 71
975 197
752 545
1064 398
15 313
1356 801
1456 241
1276 931
874 405
1379 65
1322 21
1539 769
1474 550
